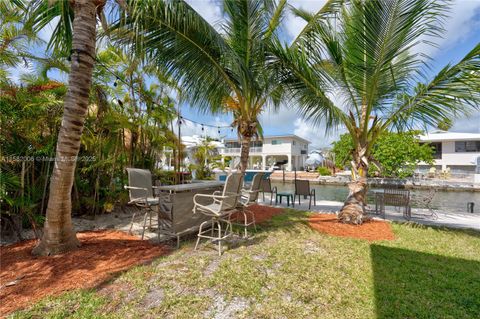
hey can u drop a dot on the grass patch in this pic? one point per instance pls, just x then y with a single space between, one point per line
291 271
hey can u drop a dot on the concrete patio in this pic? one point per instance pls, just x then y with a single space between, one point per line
453 219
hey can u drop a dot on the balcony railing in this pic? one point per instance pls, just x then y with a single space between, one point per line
235 150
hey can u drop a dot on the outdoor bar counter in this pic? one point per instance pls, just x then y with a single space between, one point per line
176 217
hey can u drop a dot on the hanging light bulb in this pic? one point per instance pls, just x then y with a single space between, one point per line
203 129
218 129
115 83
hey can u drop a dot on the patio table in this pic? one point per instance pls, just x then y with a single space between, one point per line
287 195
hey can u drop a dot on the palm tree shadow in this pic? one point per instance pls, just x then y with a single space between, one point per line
412 284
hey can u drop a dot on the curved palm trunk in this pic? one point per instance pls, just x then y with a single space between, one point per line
353 210
59 235
244 153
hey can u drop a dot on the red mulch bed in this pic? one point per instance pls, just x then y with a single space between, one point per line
102 254
262 213
370 230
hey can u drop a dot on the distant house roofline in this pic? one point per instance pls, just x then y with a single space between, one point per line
274 136
437 136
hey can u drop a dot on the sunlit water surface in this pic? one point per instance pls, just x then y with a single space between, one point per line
445 200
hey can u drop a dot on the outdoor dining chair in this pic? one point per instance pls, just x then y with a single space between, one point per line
219 206
248 197
302 188
398 198
141 195
425 201
266 187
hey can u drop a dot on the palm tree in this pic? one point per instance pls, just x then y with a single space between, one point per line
15 36
219 71
75 34
76 30
362 53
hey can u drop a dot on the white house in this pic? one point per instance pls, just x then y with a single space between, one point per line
459 151
291 149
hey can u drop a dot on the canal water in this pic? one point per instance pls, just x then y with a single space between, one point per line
455 201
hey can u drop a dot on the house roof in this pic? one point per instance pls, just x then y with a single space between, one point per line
276 136
437 136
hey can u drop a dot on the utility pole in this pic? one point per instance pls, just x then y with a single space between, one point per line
179 122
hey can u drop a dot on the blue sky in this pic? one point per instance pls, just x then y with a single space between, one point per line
462 34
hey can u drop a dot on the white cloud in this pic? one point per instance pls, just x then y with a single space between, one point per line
294 24
46 33
470 124
459 25
210 10
316 134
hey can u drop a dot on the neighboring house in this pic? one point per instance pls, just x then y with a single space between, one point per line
458 151
272 149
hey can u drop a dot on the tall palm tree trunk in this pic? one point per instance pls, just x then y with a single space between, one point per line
353 210
59 235
244 153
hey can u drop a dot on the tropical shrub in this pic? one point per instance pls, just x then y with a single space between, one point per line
395 154
323 171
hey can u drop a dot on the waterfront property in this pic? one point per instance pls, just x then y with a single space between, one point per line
456 151
291 150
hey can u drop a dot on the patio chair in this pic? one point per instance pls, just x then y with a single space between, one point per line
248 198
141 195
399 198
219 208
423 201
266 187
302 188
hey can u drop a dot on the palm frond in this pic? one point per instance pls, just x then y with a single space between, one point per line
44 12
454 91
378 39
308 86
329 9
182 44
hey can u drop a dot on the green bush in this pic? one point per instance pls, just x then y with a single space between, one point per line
165 177
323 171
397 154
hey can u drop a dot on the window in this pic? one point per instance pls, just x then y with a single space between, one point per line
232 145
276 142
293 142
256 144
467 146
437 150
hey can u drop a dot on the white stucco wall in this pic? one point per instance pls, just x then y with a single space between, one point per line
286 148
452 158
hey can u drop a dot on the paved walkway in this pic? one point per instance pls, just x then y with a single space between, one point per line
447 219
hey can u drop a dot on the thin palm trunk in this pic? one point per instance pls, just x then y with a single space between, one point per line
244 153
353 210
59 235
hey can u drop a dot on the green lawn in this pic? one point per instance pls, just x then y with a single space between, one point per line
291 271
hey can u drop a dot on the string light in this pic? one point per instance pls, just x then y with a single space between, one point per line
181 118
